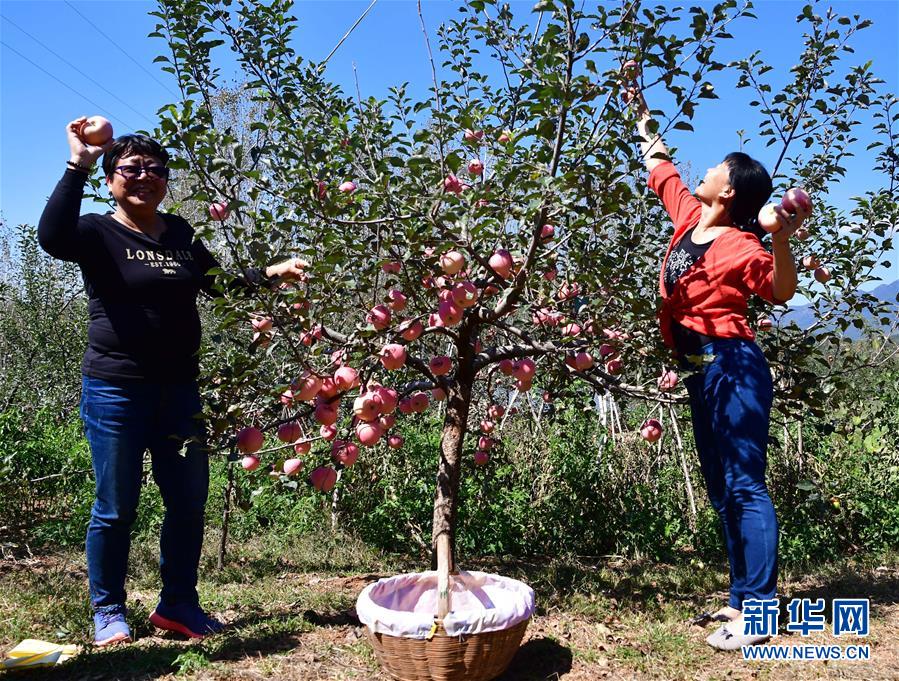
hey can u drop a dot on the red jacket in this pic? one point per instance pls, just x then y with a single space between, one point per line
711 297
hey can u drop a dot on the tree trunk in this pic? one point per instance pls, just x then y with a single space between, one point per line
451 443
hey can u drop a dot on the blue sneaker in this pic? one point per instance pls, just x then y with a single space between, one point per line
185 618
110 626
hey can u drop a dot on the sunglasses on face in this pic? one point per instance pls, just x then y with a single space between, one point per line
134 172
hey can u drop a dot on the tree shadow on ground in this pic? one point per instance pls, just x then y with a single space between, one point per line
643 585
538 659
882 588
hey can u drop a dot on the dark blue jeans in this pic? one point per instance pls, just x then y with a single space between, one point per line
123 419
730 401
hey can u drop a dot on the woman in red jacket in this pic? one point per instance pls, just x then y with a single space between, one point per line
714 263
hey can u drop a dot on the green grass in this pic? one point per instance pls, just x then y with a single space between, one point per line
287 600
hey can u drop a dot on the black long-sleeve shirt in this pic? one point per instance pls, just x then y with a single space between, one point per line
142 292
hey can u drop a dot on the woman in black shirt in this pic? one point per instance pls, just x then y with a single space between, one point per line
142 272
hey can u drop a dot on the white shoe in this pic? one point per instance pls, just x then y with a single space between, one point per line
730 636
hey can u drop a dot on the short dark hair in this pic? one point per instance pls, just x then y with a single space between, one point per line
752 188
128 145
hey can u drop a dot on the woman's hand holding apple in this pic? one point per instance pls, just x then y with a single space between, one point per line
83 154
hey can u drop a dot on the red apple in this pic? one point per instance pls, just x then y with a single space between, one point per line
219 211
481 458
475 166
392 267
249 463
389 399
547 232
450 313
323 478
440 365
568 291
485 443
325 414
797 201
668 380
573 329
606 350
438 394
507 367
395 441
487 427
583 361
651 430
452 184
396 300
347 187
286 398
366 408
307 386
328 432
262 324
393 356
290 431
303 446
524 369
495 411
473 135
96 131
379 317
465 294
505 137
345 378
369 433
292 466
822 274
811 262
614 366
328 388
501 262
250 440
411 329
419 402
451 262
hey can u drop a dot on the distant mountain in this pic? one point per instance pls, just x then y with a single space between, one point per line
804 316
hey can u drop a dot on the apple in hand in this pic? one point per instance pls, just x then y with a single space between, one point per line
96 131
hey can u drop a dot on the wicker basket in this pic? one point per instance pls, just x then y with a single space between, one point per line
440 657
478 657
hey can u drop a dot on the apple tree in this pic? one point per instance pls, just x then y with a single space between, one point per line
492 241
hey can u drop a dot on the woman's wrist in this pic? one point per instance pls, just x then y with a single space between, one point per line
82 160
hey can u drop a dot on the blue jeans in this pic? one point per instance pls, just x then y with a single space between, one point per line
730 402
123 419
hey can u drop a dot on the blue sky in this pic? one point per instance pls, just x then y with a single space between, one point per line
56 64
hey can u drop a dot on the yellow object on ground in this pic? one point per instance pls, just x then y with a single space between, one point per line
35 653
